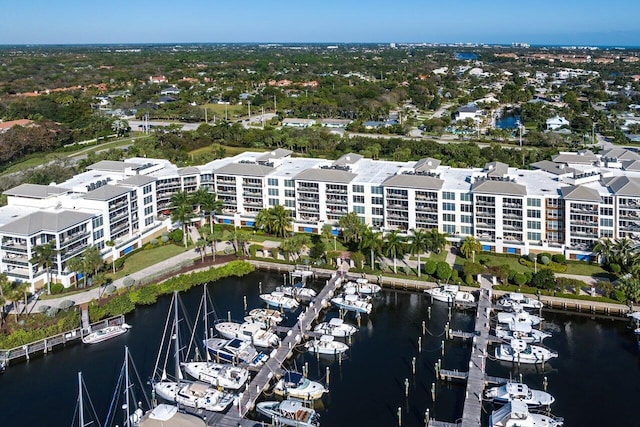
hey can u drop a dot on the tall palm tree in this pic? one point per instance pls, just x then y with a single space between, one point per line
275 220
112 245
437 240
76 264
43 257
201 244
182 211
213 239
16 293
419 242
623 250
469 246
207 202
326 232
373 242
92 260
604 249
394 247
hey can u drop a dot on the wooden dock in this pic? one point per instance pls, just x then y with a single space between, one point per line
455 375
262 380
466 336
43 346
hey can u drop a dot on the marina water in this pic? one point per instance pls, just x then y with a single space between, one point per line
595 379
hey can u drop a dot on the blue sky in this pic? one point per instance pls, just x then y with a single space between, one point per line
583 22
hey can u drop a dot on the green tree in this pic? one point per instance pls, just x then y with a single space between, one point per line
394 247
112 245
207 203
443 271
201 244
92 259
543 279
437 240
470 245
213 239
76 264
44 257
352 228
418 244
373 242
326 232
17 292
604 249
182 211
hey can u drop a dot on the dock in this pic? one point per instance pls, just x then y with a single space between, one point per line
262 380
455 375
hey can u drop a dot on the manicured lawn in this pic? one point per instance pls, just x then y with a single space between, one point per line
512 262
229 151
147 258
585 269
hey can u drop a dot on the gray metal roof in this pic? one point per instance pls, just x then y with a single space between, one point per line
137 180
112 166
426 164
35 191
348 159
582 157
624 186
190 170
496 169
244 169
580 192
620 154
278 153
631 165
326 175
420 182
45 221
499 187
551 167
106 192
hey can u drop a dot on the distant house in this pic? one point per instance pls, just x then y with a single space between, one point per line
172 90
469 111
298 123
335 123
556 122
166 99
5 126
158 79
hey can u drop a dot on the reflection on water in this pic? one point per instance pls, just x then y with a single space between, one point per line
597 367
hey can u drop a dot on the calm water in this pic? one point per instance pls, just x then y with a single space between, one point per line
508 122
466 56
597 368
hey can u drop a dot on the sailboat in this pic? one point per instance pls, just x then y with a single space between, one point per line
196 395
248 331
80 406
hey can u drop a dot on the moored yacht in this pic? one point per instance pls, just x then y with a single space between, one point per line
363 286
519 317
266 317
518 300
518 391
105 334
294 384
248 331
521 331
451 294
297 292
290 413
336 327
521 352
194 395
234 351
280 300
326 344
217 374
352 302
516 414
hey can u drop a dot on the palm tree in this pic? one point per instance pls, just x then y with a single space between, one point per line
214 238
394 247
374 243
604 249
470 245
76 264
419 242
240 237
112 245
352 228
5 287
92 260
43 257
182 211
275 220
437 240
326 232
201 244
623 251
207 202
16 293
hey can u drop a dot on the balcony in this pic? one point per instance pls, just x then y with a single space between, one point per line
335 201
308 209
397 196
252 184
257 203
426 208
512 216
222 181
310 219
485 203
15 259
307 189
480 224
252 193
73 238
22 273
398 217
75 251
15 247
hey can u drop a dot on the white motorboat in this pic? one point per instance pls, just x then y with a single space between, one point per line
167 415
248 331
451 294
326 344
290 413
336 327
363 286
517 391
234 351
194 395
105 334
297 292
219 375
519 317
508 301
266 317
464 297
521 331
516 414
280 300
521 352
294 384
352 302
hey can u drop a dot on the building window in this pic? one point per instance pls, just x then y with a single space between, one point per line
289 183
273 192
376 200
148 210
448 206
377 211
466 230
358 209
606 233
148 200
607 200
97 235
466 208
449 217
465 197
376 190
289 193
272 182
358 199
358 188
97 222
449 228
533 237
534 203
467 219
533 225
606 211
148 221
448 195
606 222
290 203
146 189
273 202
533 213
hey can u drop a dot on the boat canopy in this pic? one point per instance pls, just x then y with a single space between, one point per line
336 321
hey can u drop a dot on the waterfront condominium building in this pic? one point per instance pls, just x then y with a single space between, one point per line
563 205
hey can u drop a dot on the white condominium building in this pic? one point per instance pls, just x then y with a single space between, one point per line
563 205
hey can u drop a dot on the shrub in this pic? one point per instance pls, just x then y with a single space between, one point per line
145 295
154 242
544 260
473 268
57 288
253 249
129 281
519 279
468 279
542 255
164 239
443 271
615 268
543 279
176 236
66 304
109 289
559 258
430 267
531 256
119 263
51 312
455 276
44 308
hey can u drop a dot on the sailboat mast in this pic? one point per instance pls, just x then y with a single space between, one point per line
206 314
127 385
176 340
80 402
